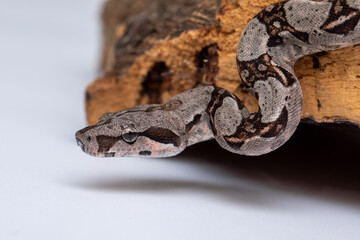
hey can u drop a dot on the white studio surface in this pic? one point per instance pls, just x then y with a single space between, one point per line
50 189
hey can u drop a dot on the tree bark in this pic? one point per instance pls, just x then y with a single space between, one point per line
155 49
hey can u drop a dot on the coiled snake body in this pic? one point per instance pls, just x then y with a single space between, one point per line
268 48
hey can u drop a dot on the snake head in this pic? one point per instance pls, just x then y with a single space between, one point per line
146 130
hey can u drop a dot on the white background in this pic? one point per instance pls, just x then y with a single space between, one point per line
50 189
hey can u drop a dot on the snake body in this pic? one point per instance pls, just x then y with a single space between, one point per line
268 48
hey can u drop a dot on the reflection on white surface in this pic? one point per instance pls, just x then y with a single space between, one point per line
51 190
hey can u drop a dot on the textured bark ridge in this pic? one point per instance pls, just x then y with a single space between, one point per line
155 49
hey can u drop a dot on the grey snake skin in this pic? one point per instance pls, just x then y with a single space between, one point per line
268 48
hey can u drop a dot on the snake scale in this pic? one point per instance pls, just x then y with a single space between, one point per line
267 50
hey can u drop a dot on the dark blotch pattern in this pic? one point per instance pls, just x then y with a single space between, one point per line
191 124
106 142
162 135
253 126
271 70
217 99
145 153
340 8
277 14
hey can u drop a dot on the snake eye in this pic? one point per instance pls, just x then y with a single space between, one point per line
129 134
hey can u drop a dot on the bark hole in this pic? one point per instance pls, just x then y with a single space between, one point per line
206 62
156 81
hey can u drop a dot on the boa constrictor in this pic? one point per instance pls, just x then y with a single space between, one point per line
268 48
